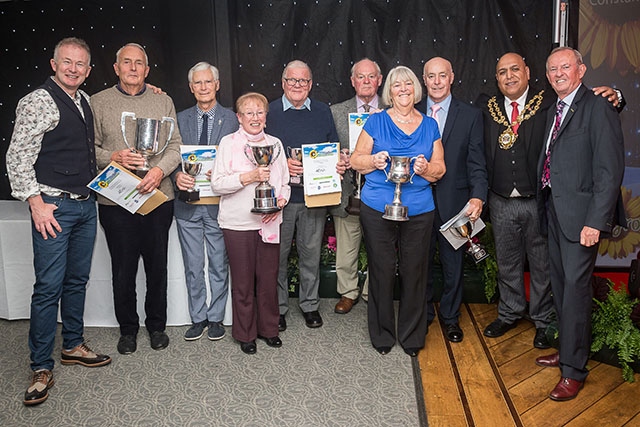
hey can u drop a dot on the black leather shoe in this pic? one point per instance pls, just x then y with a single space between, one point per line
453 332
127 344
312 319
159 340
248 347
282 323
275 342
38 390
383 350
540 340
411 351
498 328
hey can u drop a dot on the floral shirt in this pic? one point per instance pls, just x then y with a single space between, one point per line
37 113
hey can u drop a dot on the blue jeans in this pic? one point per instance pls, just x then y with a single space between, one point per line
62 266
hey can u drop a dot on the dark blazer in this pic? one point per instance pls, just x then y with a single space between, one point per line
225 122
530 132
587 161
464 157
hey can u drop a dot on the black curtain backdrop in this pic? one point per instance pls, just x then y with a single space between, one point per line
250 41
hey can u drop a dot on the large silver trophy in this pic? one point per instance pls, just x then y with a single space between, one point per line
295 153
265 200
192 168
463 227
399 173
147 134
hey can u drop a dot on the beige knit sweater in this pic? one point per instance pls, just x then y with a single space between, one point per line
108 106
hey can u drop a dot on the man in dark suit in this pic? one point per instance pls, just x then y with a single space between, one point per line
580 172
465 182
514 123
366 78
203 124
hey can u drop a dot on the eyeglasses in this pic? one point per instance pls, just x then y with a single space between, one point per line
252 114
291 82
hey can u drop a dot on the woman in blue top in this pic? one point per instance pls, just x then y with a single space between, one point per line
399 131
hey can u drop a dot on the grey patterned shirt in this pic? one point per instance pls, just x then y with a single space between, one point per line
37 113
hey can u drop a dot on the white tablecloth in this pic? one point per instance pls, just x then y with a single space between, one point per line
17 276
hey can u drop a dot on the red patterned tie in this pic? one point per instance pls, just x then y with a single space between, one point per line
514 117
554 134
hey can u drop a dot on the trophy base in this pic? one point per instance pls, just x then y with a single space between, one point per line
477 252
189 196
396 213
265 205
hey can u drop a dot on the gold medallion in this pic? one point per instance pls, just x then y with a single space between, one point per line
507 138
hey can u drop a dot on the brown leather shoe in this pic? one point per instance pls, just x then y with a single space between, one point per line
83 355
345 305
549 361
566 389
38 391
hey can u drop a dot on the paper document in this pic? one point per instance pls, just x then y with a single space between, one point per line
454 237
319 163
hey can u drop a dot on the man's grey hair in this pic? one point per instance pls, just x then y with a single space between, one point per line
296 63
353 68
146 58
576 53
74 41
201 66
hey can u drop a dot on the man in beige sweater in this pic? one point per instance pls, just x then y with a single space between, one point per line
130 236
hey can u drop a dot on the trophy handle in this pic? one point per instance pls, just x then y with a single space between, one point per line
247 149
279 150
171 128
414 171
387 174
126 114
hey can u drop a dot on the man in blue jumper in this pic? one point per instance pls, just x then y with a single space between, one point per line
297 119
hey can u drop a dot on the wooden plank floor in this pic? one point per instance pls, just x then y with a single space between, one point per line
495 382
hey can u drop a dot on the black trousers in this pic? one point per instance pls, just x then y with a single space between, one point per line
130 236
412 239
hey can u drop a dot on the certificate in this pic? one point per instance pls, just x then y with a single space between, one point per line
206 155
319 163
356 123
119 185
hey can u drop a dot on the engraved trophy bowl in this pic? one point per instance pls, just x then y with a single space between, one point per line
146 136
399 173
190 168
295 153
265 200
464 228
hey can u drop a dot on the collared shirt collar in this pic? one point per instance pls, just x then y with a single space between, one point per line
521 102
211 113
373 103
568 100
144 88
286 104
444 104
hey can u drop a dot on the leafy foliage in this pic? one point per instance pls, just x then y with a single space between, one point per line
489 265
612 326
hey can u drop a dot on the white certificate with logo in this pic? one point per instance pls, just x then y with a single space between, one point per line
319 163
356 123
205 154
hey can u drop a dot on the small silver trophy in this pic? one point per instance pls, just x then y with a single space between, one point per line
190 168
399 173
147 134
353 203
295 153
463 227
265 200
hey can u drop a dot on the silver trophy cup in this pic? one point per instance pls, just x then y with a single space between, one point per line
295 153
193 169
399 173
265 200
464 228
146 136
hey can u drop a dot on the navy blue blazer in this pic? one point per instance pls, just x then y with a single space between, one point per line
464 158
225 122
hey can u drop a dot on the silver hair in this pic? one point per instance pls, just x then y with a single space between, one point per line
146 58
401 73
296 63
353 68
201 66
71 41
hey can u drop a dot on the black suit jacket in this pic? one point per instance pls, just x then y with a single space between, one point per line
466 175
530 132
587 164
